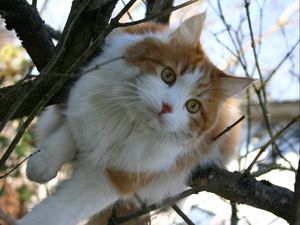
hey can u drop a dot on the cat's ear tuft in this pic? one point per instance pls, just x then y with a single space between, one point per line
234 85
188 33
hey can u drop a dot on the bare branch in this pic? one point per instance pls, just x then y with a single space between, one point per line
229 128
19 164
273 139
182 215
24 18
297 197
281 62
234 218
235 186
156 6
158 15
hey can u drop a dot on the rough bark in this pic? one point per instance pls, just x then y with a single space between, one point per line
235 186
296 219
78 32
29 26
155 6
244 189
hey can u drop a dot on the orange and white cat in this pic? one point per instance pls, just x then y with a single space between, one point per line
137 125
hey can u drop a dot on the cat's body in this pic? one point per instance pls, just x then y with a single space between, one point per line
137 125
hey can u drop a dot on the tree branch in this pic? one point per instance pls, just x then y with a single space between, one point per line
296 220
234 186
30 28
244 189
294 120
156 6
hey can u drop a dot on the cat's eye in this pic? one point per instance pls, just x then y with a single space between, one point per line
168 76
193 105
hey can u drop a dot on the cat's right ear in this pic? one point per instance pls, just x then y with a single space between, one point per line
188 33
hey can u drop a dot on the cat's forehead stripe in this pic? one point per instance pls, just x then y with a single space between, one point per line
182 59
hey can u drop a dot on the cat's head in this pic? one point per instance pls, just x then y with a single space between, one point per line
177 88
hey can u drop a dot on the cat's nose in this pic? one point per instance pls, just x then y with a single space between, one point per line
166 108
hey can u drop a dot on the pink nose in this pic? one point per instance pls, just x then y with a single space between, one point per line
166 108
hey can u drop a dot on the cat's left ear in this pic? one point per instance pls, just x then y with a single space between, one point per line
234 85
188 33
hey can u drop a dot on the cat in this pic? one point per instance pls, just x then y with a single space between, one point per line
137 125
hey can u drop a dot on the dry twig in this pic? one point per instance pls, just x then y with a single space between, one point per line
272 140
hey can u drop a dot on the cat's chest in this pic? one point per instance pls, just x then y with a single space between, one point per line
127 146
142 152
114 140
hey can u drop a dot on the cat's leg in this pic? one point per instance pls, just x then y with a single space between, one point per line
48 122
84 194
54 151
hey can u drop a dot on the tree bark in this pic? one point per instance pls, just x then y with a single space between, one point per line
29 27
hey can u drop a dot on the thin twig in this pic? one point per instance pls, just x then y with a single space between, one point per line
264 106
272 140
229 128
182 215
281 62
234 218
128 13
124 10
157 15
269 168
225 46
228 28
19 164
249 124
98 66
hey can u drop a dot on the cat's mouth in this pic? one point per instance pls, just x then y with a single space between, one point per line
158 121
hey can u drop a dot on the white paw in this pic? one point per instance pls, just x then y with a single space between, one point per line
41 167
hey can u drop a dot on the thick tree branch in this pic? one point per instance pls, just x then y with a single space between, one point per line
244 189
296 220
79 37
30 28
234 186
156 6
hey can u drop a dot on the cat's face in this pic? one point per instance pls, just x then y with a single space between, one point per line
177 89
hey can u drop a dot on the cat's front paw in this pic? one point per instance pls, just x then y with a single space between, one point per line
41 167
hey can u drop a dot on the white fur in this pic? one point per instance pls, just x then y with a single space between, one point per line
110 121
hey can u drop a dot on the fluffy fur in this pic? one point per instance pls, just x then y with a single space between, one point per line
129 130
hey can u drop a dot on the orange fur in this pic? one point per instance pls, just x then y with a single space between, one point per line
144 28
126 183
121 209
